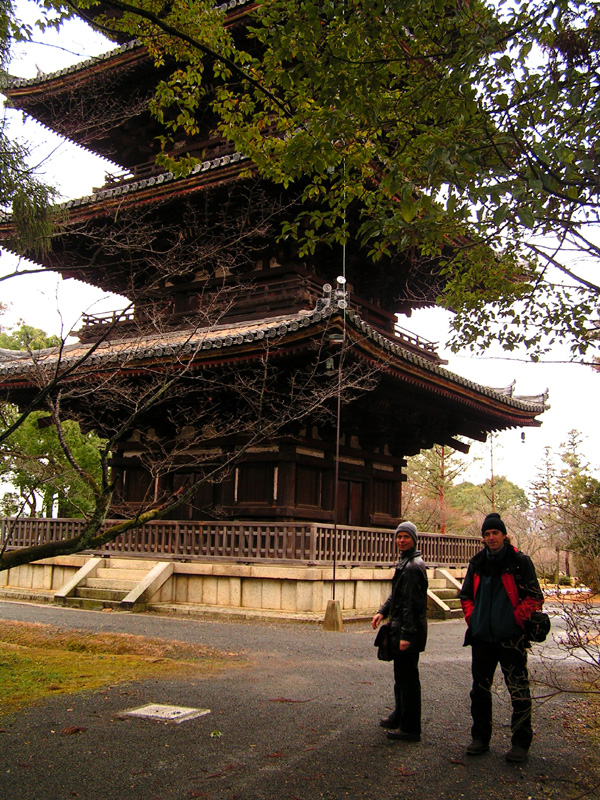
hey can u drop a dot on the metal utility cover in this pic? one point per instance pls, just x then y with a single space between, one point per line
166 713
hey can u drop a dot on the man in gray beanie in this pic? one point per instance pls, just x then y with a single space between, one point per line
406 609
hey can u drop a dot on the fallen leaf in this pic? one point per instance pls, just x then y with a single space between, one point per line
228 768
404 772
287 700
71 730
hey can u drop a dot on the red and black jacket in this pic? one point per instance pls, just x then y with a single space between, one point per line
518 579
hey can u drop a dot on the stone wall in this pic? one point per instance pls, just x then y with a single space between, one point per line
231 586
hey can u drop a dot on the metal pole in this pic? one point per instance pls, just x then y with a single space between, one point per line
333 615
338 432
493 495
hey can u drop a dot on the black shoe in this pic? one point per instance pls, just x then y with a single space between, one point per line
389 722
477 748
516 753
403 736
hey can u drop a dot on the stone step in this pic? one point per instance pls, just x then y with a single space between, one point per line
129 563
110 583
437 583
445 594
121 574
454 613
453 602
101 594
91 604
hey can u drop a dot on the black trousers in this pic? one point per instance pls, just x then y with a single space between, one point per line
512 657
407 691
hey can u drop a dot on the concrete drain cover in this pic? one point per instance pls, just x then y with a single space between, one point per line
166 713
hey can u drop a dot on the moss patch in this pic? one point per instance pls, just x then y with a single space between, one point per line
37 661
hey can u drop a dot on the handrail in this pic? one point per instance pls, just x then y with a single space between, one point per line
273 542
107 317
415 339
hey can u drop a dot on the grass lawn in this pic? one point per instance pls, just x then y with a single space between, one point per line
37 661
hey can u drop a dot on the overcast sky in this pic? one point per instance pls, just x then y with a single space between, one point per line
56 305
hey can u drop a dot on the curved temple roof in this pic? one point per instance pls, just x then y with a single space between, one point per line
11 82
230 341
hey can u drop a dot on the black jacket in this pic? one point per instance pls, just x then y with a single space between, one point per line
406 607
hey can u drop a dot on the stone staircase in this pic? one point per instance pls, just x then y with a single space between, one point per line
119 584
129 584
442 595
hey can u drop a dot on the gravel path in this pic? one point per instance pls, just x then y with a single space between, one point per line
298 722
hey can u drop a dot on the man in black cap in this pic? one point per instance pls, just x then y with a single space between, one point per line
406 608
499 593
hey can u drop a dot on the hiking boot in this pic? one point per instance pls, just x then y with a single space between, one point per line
389 722
516 753
477 747
403 736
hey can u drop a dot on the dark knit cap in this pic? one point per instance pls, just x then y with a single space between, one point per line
408 527
493 522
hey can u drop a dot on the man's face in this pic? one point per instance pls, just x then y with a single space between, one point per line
404 541
494 540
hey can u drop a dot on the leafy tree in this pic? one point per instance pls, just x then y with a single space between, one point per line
21 192
427 491
405 121
477 498
580 510
431 122
425 123
34 463
27 338
32 460
567 499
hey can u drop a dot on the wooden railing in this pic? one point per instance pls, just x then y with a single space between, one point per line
415 341
108 317
308 542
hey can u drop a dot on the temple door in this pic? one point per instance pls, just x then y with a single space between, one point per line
350 502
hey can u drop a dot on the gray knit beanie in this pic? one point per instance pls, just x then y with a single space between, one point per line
408 527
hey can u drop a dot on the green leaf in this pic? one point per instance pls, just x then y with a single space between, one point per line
500 214
408 210
526 217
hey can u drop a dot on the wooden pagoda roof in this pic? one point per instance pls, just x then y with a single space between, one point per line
78 102
460 407
165 194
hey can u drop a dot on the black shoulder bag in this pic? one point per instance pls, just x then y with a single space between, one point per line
537 627
383 643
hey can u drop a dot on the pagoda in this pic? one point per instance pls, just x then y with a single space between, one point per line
212 287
